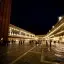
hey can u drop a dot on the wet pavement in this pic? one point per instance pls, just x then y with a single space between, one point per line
11 52
32 54
50 55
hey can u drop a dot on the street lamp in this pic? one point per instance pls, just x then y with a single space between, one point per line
60 18
49 30
52 26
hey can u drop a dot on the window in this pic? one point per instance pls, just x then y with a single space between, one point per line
22 33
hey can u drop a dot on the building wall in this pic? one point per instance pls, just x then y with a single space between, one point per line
16 32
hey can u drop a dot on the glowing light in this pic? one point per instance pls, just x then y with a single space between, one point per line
17 41
36 38
60 18
1 38
52 26
10 31
49 30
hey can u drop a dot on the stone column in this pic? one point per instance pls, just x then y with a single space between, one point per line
5 9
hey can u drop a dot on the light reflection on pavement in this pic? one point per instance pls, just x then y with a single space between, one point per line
41 54
52 55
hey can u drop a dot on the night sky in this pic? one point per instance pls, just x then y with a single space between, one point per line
35 16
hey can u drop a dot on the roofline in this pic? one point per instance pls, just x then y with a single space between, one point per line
21 29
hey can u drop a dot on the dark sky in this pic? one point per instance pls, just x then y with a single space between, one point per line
35 16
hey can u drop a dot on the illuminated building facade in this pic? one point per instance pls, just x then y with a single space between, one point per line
57 31
17 33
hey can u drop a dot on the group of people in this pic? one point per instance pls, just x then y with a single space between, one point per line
22 42
50 42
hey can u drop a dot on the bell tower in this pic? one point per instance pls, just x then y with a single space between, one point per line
5 10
